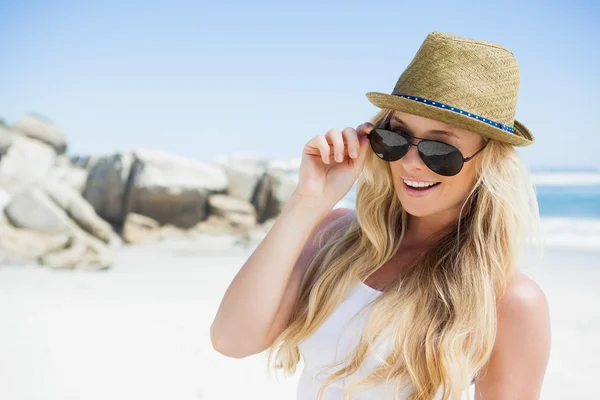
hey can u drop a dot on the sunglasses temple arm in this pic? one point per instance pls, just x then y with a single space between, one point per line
477 152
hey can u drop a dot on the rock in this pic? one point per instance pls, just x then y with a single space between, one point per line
5 198
222 204
140 229
241 221
80 211
172 189
26 161
284 186
42 129
27 245
273 191
97 254
107 184
244 175
84 161
69 257
69 249
33 209
73 177
213 224
5 140
263 199
171 231
240 213
83 251
181 208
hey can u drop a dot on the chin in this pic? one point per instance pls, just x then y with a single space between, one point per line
417 211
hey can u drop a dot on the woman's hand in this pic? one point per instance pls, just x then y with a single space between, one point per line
331 163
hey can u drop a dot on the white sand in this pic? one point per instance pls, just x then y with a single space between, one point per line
141 329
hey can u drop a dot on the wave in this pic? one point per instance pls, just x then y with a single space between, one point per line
566 178
570 233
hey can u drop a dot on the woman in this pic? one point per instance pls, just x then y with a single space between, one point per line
416 294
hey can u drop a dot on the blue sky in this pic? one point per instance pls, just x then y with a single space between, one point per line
207 78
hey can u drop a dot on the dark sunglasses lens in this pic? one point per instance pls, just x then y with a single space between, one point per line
441 158
388 145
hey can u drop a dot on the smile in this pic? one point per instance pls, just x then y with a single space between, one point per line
419 188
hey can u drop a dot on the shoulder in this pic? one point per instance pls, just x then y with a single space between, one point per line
522 300
523 315
521 350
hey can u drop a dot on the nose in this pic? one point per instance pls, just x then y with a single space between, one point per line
412 161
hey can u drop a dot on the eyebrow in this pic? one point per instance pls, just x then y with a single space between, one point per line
449 133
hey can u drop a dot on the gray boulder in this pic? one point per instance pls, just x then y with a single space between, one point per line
24 162
272 192
23 245
5 198
69 257
244 174
106 186
73 177
140 229
172 189
240 213
40 128
5 140
33 209
80 211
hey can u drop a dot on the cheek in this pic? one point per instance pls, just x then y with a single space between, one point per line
460 185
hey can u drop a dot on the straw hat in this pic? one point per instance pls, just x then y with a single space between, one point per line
467 83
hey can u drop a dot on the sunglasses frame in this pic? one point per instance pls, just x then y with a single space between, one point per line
410 143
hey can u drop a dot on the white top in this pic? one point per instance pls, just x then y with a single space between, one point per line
332 341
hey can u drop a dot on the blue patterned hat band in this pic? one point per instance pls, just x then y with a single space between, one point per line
458 111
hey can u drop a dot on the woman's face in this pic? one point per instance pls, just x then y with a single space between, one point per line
451 191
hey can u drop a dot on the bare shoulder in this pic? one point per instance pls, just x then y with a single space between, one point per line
521 351
523 296
523 313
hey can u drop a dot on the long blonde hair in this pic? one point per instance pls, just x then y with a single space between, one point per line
442 314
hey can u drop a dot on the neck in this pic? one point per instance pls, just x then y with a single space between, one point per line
421 231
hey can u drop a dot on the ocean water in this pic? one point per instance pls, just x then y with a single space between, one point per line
574 201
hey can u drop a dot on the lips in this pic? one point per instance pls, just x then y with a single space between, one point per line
419 192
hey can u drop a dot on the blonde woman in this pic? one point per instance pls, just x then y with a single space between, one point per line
416 293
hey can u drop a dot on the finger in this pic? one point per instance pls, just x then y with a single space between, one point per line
365 144
351 138
323 147
364 128
335 137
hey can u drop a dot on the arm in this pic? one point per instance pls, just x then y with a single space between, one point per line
518 361
261 294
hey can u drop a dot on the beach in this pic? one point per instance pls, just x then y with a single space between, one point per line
141 328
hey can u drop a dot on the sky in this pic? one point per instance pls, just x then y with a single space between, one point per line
203 79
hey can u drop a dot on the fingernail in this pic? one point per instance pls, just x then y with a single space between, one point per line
338 157
353 153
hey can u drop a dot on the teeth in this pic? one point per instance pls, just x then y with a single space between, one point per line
419 184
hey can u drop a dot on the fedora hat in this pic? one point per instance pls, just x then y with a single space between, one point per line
464 82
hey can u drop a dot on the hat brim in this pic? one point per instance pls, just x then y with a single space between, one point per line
521 136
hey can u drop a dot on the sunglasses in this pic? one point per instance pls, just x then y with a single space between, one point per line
442 158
